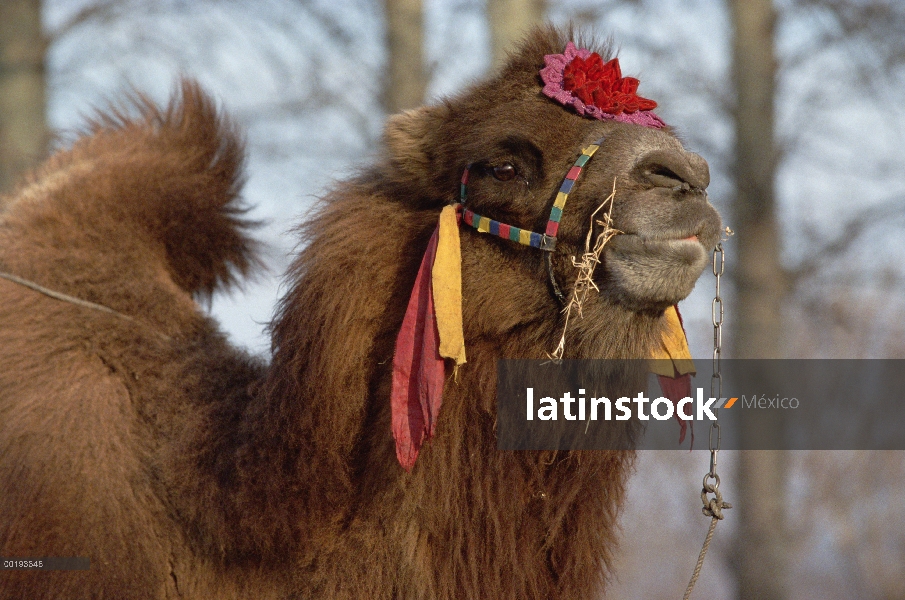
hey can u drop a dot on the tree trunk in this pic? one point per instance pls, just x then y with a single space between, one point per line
509 21
406 79
761 556
23 128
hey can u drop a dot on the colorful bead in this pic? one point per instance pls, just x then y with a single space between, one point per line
514 233
566 186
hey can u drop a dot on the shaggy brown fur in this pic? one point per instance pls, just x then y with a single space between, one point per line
183 468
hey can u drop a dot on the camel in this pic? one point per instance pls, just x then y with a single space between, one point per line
134 434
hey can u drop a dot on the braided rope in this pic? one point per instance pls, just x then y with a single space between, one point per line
697 567
713 508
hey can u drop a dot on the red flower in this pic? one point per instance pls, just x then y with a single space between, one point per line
602 85
579 78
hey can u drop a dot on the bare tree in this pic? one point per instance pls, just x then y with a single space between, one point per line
869 36
407 77
23 128
509 21
760 289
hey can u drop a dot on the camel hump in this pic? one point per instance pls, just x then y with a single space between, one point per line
162 182
190 159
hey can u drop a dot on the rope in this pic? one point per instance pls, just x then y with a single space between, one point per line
712 508
73 300
697 567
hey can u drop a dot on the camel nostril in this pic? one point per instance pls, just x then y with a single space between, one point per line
673 169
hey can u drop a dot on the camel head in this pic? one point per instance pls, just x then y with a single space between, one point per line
519 144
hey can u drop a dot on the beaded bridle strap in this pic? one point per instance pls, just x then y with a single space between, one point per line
543 241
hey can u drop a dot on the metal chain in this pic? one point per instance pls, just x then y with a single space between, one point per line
716 378
713 507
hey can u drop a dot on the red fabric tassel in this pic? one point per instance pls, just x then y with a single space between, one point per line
676 388
418 370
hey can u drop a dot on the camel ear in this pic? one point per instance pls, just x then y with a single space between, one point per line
409 137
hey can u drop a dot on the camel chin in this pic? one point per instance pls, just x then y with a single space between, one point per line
667 234
647 273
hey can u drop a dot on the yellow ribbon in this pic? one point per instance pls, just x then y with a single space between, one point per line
673 347
446 282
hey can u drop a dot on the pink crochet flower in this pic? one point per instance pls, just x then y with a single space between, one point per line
580 78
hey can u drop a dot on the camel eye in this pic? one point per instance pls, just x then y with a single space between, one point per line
504 172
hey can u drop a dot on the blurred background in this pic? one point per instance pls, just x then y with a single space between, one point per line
797 105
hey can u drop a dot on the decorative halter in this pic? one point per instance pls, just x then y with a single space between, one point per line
544 241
